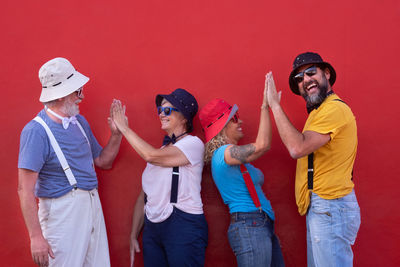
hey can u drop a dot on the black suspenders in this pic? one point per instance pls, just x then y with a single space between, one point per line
310 172
174 186
339 100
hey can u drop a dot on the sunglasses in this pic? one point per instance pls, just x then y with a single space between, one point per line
79 92
167 110
235 118
311 71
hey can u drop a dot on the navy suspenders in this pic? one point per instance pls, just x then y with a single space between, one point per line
310 171
174 186
175 170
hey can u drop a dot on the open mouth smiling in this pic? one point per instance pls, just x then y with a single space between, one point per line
312 87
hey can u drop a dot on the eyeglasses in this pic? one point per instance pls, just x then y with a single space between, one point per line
167 110
311 71
79 92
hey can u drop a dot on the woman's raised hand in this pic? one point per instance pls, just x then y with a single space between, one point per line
265 97
273 97
118 115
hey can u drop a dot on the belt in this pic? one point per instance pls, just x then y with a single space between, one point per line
240 216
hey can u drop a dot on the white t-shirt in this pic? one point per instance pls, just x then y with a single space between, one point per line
156 182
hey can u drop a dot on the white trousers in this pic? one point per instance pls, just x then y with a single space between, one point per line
74 227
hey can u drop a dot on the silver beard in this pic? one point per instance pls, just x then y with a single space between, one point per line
70 108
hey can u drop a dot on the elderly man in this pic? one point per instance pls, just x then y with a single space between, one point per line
326 150
57 155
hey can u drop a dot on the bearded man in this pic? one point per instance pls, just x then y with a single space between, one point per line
326 150
57 155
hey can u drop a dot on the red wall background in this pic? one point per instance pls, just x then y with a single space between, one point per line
133 50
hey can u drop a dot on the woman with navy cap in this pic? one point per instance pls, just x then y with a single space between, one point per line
175 230
251 232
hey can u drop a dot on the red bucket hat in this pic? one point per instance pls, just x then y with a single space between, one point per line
214 116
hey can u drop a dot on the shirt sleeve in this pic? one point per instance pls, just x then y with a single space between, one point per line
218 158
34 147
94 145
329 120
193 148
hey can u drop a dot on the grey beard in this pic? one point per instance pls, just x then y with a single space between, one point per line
70 108
317 99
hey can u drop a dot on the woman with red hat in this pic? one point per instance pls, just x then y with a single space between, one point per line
251 232
175 230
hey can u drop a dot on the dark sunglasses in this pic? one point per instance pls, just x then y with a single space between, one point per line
311 71
79 92
167 110
235 118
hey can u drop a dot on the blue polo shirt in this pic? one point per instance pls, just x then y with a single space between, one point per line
37 154
230 183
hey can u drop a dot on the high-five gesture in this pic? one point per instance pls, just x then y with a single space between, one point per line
111 124
273 96
265 98
118 115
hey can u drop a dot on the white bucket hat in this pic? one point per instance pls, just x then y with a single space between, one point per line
59 78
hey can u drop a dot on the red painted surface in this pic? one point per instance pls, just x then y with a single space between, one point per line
133 50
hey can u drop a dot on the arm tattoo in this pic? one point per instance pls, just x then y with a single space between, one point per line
242 152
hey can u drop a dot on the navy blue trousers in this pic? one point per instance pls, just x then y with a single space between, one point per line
180 240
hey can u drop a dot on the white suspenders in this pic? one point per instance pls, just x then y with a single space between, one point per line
57 150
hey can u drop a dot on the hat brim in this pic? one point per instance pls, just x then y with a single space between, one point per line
159 99
293 85
217 126
65 88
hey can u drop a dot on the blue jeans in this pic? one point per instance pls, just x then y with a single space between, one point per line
332 227
180 240
252 239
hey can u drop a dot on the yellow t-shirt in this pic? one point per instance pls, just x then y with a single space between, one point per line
333 162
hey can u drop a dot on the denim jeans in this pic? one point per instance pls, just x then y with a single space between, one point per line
180 240
252 239
332 227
